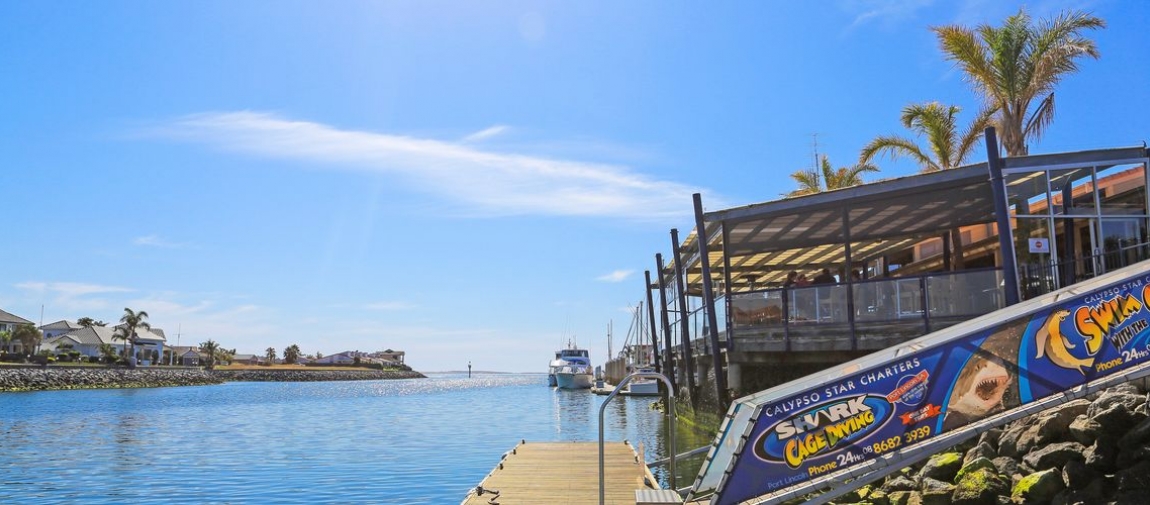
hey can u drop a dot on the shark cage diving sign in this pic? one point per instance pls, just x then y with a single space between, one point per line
904 403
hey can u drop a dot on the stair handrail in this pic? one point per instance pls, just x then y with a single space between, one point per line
671 428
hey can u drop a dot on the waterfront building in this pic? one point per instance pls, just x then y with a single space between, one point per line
8 323
900 269
58 328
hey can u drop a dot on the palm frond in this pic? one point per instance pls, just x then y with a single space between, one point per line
971 136
808 181
1041 118
894 146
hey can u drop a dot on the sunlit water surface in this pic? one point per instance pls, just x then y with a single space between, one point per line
401 441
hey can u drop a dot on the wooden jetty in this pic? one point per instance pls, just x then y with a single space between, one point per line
565 473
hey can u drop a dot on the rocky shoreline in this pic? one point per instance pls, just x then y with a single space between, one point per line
1091 450
44 379
313 375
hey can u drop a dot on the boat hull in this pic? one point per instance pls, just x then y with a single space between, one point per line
643 388
573 380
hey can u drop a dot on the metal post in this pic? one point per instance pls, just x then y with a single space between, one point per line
849 274
1002 219
671 418
669 356
709 303
684 324
651 318
729 325
1069 264
946 263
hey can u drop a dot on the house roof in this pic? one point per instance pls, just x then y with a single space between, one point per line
244 357
62 324
92 335
8 317
148 335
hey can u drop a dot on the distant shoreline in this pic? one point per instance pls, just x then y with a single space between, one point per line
18 379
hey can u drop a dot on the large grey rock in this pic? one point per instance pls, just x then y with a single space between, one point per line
1008 442
1038 487
1006 465
1076 475
1098 491
981 486
942 467
983 450
1137 435
1102 456
1117 418
1054 455
1134 479
991 437
935 492
900 483
1112 397
1084 430
1130 456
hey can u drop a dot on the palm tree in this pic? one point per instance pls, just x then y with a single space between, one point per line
291 354
131 321
209 348
28 336
108 352
6 340
947 148
827 178
270 354
1013 65
87 322
938 123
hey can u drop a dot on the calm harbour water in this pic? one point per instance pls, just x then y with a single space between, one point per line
403 441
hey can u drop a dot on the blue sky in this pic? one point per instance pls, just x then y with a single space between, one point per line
466 181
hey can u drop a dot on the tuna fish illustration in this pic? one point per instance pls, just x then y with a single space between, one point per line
1054 346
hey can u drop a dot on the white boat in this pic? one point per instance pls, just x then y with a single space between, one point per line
576 371
641 386
553 368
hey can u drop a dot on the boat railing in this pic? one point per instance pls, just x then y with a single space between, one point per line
670 413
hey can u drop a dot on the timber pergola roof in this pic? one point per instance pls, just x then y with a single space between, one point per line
767 240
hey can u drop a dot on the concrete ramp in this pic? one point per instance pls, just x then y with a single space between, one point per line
837 430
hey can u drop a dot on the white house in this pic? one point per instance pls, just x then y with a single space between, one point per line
342 358
87 341
58 328
8 323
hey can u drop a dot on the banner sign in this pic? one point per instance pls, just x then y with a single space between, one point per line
942 389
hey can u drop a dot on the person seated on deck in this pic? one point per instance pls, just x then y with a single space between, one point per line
824 277
792 278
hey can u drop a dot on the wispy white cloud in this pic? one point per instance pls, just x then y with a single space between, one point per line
156 241
882 11
616 276
486 133
70 289
484 182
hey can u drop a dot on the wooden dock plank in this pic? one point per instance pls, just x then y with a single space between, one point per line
564 473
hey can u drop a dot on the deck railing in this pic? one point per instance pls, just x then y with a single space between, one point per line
1039 278
924 298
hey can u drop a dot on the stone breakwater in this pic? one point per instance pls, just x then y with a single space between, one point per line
313 375
40 379
1091 450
